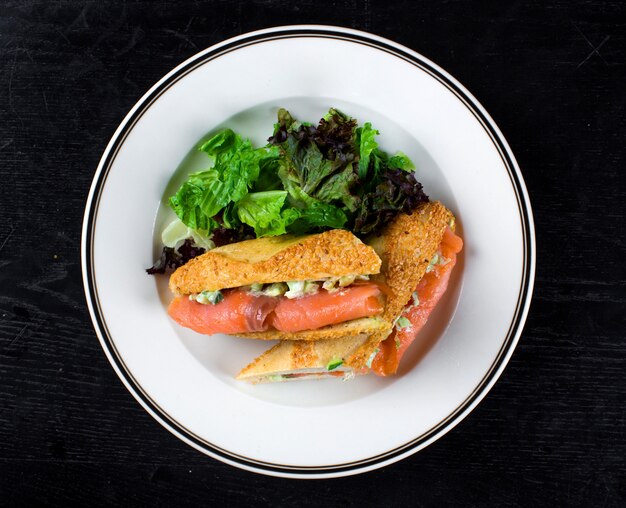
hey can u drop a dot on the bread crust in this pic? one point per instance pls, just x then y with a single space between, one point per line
406 247
408 244
289 356
333 253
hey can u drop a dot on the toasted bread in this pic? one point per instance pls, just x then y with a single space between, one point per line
302 359
406 247
333 253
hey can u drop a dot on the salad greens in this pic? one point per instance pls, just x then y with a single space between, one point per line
171 258
308 178
206 193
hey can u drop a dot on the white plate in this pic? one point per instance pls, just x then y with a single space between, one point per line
327 428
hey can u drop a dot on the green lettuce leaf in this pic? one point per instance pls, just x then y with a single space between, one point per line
268 175
320 216
262 211
237 163
401 161
189 200
366 137
310 177
230 218
235 170
338 187
306 165
219 143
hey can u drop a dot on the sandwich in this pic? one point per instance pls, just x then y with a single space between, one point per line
299 360
307 288
418 252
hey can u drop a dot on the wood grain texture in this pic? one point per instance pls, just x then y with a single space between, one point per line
551 432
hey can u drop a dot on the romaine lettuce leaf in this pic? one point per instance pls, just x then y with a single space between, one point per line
187 202
262 211
236 168
229 217
236 162
219 143
318 216
366 137
268 175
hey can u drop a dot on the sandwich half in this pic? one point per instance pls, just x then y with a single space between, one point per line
298 360
286 287
418 252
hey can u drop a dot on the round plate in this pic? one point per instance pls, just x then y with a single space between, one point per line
322 428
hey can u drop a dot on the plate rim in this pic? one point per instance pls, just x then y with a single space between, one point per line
526 219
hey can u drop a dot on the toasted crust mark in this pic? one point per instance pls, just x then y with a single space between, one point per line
289 356
355 327
275 259
406 247
304 354
270 361
358 360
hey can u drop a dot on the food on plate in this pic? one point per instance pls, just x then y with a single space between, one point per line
319 239
418 252
285 287
414 314
301 360
307 179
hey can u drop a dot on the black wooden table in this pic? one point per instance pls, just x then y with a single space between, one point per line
551 432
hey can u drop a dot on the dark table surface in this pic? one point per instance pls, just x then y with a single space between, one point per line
552 430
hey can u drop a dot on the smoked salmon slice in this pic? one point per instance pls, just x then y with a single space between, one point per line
325 308
429 291
241 311
238 312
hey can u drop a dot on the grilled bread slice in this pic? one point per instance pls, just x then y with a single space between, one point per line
334 253
298 360
406 248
